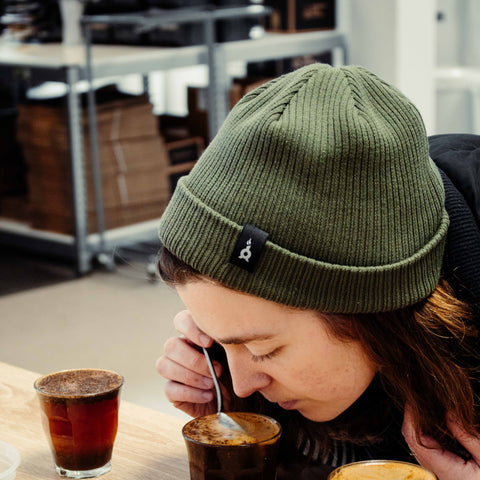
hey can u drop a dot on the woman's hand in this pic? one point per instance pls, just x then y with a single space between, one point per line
190 386
446 465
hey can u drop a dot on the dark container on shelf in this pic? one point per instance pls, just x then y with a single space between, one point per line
178 3
301 15
105 7
176 35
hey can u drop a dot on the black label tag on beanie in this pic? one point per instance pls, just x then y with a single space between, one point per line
248 247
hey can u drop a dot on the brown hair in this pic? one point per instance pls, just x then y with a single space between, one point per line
423 352
424 356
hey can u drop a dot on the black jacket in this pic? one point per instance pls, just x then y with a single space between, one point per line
457 157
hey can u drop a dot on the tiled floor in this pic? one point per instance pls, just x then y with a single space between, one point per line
113 320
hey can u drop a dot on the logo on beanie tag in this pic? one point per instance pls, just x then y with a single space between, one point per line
248 247
246 253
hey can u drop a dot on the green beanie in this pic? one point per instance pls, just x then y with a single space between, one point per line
317 192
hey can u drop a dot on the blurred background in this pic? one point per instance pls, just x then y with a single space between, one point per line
104 104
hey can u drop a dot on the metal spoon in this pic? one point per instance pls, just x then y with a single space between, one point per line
224 419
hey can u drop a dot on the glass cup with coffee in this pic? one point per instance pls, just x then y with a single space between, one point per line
381 470
80 416
218 452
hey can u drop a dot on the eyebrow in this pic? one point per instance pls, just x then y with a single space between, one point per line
243 340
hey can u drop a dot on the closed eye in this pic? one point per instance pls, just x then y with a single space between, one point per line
267 356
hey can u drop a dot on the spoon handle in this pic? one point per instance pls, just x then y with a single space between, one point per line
214 378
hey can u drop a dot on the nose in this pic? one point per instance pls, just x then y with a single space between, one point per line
247 376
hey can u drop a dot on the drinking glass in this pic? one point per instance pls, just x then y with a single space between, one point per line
80 417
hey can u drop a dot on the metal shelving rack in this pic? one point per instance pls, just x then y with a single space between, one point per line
88 62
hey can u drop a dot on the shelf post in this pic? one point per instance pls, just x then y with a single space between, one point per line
217 79
95 154
82 254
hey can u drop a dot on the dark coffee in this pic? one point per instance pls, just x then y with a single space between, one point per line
79 383
216 452
80 410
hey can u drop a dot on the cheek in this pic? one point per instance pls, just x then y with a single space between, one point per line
339 371
302 370
313 376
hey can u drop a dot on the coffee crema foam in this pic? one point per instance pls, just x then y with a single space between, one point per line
256 429
377 470
77 383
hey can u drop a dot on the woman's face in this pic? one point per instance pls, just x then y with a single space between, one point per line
286 354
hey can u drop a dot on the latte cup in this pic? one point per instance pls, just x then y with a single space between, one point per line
381 470
217 452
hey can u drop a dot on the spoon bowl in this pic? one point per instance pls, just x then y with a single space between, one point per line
224 419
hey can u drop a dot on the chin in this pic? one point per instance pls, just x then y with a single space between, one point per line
316 415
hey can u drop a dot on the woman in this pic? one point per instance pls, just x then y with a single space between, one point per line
309 245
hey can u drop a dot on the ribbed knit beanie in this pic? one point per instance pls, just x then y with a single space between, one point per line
317 192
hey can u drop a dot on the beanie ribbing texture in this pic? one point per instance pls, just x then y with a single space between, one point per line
333 164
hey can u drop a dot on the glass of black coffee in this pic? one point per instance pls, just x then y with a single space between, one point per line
216 452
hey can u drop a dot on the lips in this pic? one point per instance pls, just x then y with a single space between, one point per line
288 405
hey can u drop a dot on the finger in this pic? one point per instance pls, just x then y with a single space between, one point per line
179 393
429 453
432 458
410 434
184 323
181 352
443 463
178 373
470 442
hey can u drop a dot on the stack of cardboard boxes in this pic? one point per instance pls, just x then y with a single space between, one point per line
133 162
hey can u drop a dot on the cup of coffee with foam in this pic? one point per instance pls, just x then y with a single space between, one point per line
80 416
218 452
381 470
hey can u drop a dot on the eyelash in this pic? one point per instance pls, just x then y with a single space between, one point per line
267 356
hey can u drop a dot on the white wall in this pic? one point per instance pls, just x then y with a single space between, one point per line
448 32
458 40
396 40
471 32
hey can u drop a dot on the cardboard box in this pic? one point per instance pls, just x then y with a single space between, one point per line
15 207
114 217
47 125
133 171
133 164
119 189
115 157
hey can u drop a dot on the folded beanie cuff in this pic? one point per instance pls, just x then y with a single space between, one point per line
205 239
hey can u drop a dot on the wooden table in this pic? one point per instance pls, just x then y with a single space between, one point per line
149 444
